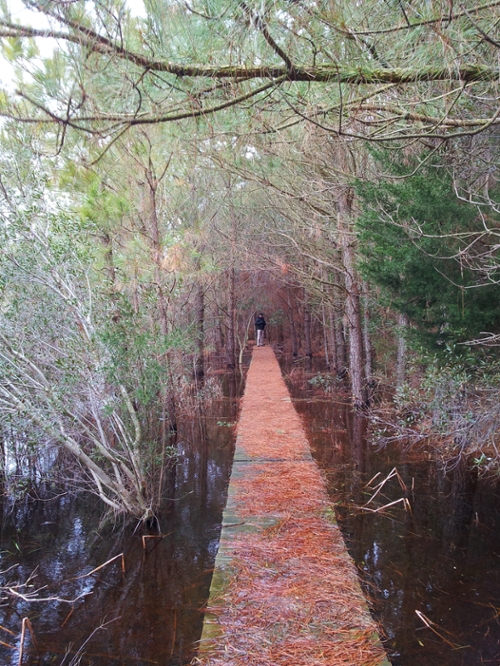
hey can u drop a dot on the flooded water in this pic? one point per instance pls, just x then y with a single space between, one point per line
430 563
150 612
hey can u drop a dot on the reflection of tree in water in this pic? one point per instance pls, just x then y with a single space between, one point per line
459 492
157 602
441 559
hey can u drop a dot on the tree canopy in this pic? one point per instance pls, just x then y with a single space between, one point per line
375 70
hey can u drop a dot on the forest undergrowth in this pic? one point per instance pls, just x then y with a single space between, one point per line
449 410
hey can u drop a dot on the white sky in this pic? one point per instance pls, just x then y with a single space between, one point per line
36 20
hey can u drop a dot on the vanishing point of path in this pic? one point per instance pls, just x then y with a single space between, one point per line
285 590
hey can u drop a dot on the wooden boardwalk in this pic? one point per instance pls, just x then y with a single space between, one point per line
284 591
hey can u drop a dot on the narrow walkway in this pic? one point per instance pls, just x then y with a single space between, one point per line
285 591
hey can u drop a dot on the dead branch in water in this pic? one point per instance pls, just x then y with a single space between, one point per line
78 655
403 500
431 625
378 489
26 624
14 590
103 565
23 591
32 598
158 537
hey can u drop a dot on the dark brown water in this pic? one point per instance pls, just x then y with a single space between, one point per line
152 612
432 572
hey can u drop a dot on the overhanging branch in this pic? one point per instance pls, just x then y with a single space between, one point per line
323 73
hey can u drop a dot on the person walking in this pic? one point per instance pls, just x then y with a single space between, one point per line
260 325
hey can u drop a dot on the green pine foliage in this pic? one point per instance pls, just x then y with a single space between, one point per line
415 241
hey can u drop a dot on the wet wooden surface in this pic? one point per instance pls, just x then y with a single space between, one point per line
285 590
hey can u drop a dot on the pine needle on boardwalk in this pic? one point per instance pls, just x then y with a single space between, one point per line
293 597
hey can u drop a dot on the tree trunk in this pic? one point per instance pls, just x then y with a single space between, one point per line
326 342
401 360
199 363
337 319
168 389
367 343
353 310
293 332
156 251
307 328
110 270
231 320
219 334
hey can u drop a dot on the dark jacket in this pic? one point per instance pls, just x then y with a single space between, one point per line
260 323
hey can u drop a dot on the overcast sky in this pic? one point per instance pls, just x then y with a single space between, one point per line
37 20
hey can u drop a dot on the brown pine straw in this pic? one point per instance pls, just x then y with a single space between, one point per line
292 595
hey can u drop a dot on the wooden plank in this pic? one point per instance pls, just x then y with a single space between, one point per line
284 590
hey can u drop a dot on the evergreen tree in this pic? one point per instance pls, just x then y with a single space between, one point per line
430 253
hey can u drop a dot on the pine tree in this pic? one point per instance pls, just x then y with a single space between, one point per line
430 253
